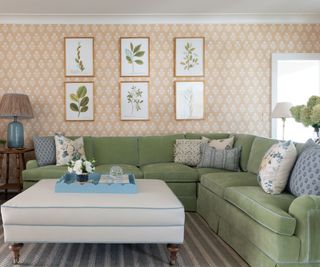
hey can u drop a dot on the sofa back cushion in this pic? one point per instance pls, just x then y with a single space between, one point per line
157 149
245 142
259 148
116 150
208 135
88 147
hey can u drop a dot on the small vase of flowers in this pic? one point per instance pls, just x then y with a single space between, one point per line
309 115
81 168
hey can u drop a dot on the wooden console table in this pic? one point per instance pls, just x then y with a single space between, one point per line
20 165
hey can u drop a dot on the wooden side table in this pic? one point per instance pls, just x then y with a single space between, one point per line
20 165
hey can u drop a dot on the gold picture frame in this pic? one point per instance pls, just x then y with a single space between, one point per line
190 104
82 104
183 70
79 56
124 55
137 113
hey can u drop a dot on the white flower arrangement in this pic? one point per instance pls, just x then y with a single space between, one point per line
81 166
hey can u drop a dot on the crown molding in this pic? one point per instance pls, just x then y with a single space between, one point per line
254 18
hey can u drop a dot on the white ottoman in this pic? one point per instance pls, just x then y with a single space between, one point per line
153 215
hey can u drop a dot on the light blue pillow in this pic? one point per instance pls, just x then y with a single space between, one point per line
45 150
305 176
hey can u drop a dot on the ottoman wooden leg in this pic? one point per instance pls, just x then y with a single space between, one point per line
173 249
15 249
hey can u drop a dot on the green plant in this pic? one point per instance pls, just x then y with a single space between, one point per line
308 115
134 54
78 58
80 99
134 97
190 58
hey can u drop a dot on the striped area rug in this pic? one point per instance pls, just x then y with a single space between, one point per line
202 247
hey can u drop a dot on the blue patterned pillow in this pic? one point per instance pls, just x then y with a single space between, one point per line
45 150
305 176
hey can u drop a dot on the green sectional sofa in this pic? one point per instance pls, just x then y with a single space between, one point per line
266 230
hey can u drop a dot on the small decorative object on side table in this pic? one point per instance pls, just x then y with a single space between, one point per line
20 166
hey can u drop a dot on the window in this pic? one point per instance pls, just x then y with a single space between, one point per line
295 77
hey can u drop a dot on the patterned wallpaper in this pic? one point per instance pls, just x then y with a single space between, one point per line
237 75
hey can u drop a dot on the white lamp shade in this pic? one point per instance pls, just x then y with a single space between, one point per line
282 110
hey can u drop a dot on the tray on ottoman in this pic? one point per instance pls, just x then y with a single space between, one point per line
97 183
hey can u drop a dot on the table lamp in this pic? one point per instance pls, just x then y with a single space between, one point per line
15 106
282 110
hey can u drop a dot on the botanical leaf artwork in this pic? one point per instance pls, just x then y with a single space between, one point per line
134 54
190 58
188 97
79 100
78 58
134 97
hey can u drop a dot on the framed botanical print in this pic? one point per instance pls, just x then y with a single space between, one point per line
79 102
189 103
79 56
134 100
134 56
189 56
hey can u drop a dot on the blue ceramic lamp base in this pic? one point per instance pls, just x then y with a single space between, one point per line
15 136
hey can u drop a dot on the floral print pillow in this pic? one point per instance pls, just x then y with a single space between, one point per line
276 166
67 149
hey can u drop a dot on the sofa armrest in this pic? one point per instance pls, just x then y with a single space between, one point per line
306 210
31 164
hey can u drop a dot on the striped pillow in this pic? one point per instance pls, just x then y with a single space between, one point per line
227 159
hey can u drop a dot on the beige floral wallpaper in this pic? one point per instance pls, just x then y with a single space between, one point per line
237 75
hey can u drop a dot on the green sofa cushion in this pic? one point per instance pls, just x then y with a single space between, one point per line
105 168
259 147
218 182
170 172
88 147
208 135
45 172
245 142
157 149
268 210
116 150
202 171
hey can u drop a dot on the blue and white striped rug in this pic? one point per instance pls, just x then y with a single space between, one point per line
201 247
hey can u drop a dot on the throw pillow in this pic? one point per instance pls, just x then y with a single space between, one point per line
227 159
305 177
226 143
67 149
275 167
187 151
45 150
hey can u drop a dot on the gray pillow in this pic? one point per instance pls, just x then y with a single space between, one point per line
305 176
45 150
227 159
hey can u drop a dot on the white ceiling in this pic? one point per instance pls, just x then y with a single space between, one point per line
201 8
157 6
